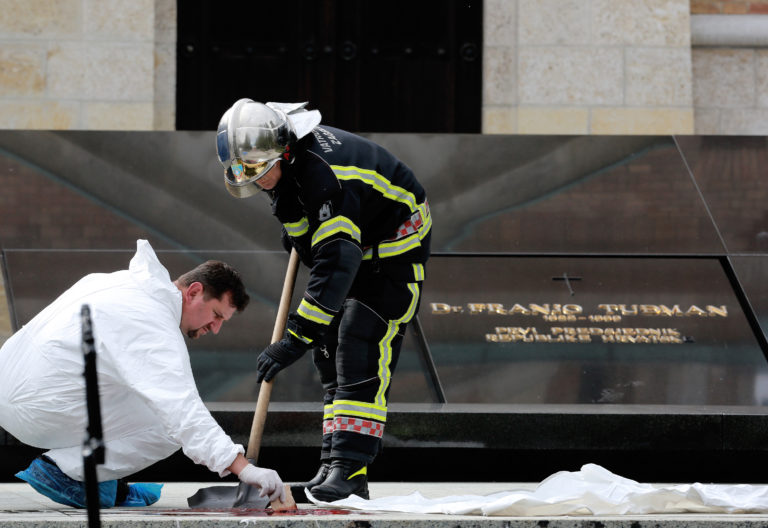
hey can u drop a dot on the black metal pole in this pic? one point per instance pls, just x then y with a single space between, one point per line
427 362
93 446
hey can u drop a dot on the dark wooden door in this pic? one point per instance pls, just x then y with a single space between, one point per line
395 66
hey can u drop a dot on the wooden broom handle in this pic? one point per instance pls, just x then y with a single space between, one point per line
265 392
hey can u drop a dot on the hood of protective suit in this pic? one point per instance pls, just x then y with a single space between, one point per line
152 276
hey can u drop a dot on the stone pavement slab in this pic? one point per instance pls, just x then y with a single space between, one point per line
21 506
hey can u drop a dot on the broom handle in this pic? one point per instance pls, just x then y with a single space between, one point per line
265 392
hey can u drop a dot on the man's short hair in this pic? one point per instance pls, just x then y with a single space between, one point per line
217 279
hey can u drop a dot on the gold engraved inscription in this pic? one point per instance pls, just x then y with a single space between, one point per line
609 312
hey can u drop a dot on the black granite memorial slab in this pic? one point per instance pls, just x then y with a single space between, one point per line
664 331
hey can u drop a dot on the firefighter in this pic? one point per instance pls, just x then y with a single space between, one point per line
360 221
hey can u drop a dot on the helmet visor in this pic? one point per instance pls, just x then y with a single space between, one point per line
242 173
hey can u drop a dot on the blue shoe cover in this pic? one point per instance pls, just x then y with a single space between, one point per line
49 480
142 494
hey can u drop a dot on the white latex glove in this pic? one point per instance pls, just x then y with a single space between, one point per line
266 479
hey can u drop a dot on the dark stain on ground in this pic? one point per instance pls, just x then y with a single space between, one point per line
252 512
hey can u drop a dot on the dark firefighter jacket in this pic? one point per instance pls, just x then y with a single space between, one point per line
345 202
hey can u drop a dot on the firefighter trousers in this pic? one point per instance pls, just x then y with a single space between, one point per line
358 360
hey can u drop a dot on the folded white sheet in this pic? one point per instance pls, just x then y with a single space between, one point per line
591 491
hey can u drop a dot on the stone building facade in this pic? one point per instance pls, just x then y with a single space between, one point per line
87 64
550 67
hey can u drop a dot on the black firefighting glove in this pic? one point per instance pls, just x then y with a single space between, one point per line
277 356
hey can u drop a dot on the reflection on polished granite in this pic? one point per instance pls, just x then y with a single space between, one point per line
513 194
732 173
641 203
752 272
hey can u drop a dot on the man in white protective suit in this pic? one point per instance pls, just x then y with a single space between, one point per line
150 406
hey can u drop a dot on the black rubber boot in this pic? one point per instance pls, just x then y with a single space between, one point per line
346 477
322 474
297 490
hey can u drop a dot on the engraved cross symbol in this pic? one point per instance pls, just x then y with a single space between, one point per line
565 278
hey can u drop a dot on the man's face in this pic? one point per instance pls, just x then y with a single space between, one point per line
200 316
270 179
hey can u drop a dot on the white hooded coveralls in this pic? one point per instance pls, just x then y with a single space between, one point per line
149 402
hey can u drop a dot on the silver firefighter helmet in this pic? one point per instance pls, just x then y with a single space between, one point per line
252 137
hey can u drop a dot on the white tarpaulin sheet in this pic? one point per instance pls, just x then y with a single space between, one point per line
591 491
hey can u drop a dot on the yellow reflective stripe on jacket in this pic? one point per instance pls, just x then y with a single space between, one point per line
296 229
337 224
426 217
378 182
385 345
392 249
307 340
361 409
418 272
313 313
328 412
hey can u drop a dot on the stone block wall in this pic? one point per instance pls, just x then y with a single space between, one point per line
550 67
624 67
730 82
587 67
730 91
87 64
